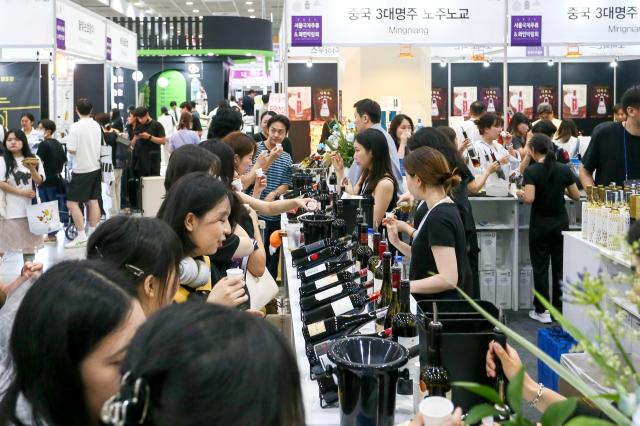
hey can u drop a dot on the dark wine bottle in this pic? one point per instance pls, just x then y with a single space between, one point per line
323 196
375 257
351 303
405 330
338 226
500 172
306 250
324 270
338 326
363 251
330 281
333 179
386 292
394 306
332 294
500 382
356 231
434 377
377 273
322 255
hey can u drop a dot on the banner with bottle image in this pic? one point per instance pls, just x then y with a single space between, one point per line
521 100
299 103
463 97
438 103
600 99
491 97
325 103
574 101
545 95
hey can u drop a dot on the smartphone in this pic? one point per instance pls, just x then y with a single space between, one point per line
465 134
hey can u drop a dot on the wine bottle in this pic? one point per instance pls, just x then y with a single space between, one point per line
330 281
394 306
338 326
353 302
500 172
338 226
333 179
306 250
332 294
386 292
434 377
324 270
500 381
356 231
377 273
363 251
323 197
375 258
405 330
322 255
384 334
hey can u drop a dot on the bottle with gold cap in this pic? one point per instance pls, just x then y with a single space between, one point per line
586 210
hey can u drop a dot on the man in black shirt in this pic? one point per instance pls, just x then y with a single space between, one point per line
248 104
196 124
614 152
149 135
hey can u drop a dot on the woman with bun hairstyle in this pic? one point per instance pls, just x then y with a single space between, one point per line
438 247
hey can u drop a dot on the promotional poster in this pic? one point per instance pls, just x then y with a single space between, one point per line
491 97
19 92
545 94
299 103
521 100
438 103
463 97
574 101
325 104
600 102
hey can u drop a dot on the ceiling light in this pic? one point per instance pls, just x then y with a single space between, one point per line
211 54
196 11
148 11
165 36
248 54
251 10
486 64
248 3
139 4
443 63
163 82
137 76
189 3
550 62
573 51
614 63
252 16
309 63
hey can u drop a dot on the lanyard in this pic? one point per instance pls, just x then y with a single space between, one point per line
424 219
626 169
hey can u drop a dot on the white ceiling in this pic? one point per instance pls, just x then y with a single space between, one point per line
170 8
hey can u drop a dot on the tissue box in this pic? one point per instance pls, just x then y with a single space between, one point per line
487 257
503 289
488 286
525 286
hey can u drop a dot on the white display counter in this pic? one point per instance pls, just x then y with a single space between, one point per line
316 415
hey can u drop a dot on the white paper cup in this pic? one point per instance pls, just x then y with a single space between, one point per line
312 205
279 145
435 410
389 214
235 272
259 172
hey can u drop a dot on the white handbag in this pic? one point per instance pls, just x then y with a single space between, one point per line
106 162
262 290
43 218
3 204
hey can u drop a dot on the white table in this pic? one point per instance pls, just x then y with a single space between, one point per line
315 415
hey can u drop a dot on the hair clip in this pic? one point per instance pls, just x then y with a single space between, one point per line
129 406
134 270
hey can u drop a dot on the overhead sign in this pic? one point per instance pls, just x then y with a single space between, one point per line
583 21
26 23
526 30
339 22
84 32
123 46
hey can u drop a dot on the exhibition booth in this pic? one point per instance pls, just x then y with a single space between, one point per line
75 53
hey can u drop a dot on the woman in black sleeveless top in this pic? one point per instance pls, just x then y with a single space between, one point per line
377 181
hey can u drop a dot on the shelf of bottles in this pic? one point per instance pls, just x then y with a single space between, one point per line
607 213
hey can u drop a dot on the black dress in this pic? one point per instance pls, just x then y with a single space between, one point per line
442 227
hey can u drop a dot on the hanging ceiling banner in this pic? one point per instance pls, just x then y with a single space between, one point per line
26 23
80 31
123 46
580 21
375 22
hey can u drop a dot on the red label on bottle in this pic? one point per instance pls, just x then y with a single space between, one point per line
313 257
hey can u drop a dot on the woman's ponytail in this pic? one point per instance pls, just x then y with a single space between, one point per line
541 144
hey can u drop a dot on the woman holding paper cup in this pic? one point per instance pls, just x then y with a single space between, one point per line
20 172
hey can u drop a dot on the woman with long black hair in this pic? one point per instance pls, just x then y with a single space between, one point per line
545 184
377 180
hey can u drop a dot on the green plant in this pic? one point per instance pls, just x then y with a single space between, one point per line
341 140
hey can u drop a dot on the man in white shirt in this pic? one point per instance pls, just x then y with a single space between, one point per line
367 116
476 109
84 140
174 112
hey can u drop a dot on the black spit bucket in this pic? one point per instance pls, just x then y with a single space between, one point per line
367 370
465 339
315 227
350 212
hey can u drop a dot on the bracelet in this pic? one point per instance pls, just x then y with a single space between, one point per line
538 397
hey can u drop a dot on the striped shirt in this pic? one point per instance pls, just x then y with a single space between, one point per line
279 173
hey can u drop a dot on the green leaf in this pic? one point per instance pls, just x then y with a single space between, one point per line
558 413
588 421
514 391
484 391
608 396
579 384
479 412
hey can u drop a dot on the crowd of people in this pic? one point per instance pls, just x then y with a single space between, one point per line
141 322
